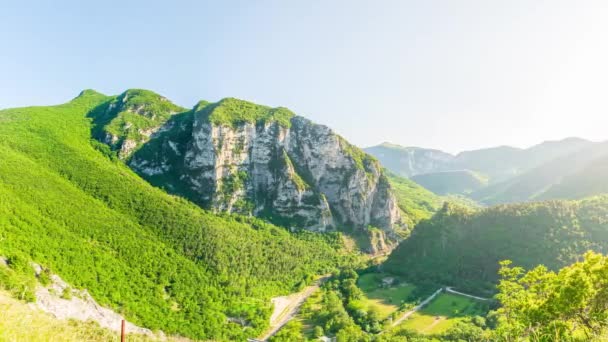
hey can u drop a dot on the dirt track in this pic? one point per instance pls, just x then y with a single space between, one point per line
286 307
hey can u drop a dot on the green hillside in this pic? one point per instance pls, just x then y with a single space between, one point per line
461 247
417 203
590 180
452 182
68 203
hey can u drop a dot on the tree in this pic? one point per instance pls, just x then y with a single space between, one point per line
543 305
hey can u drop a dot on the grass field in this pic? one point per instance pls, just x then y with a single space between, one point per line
22 322
385 300
443 312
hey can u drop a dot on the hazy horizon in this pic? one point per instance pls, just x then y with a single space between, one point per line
436 74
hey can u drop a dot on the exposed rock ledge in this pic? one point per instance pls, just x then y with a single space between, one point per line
81 306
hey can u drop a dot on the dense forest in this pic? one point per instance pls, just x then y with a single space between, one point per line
70 203
67 203
463 247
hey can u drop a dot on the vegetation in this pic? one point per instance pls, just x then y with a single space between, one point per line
571 176
17 277
340 311
452 182
132 116
444 312
20 322
67 203
362 160
462 247
589 180
541 305
385 298
408 161
232 112
417 203
291 332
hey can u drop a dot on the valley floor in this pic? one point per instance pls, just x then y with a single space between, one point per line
400 305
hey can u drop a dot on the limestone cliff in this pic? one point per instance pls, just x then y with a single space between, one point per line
129 120
236 156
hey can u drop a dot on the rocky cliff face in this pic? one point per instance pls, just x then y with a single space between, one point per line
235 156
130 120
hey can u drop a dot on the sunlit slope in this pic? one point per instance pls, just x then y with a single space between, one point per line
164 263
452 182
572 176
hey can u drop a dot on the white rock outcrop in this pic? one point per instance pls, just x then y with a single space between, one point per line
300 174
63 302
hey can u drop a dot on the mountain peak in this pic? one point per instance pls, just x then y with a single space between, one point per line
231 111
88 93
132 117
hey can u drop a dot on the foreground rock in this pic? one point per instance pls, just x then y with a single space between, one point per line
63 302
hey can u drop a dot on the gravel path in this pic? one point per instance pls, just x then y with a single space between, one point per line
451 290
286 308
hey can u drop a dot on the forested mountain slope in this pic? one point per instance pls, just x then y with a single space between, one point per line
240 157
591 179
417 203
452 182
462 247
67 203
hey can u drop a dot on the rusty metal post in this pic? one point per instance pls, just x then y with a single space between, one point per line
122 331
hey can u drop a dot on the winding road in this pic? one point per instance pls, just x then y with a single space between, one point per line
286 308
407 314
416 308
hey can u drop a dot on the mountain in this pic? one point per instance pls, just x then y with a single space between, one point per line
451 182
496 162
239 157
471 171
129 120
589 180
410 161
462 247
575 175
503 162
68 203
417 203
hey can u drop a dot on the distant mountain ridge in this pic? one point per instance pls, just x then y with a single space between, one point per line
571 176
409 161
510 171
452 182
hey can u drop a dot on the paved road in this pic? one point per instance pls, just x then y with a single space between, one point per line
289 311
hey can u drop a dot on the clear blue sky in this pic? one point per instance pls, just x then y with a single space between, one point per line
453 75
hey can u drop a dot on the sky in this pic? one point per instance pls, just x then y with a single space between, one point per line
452 75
